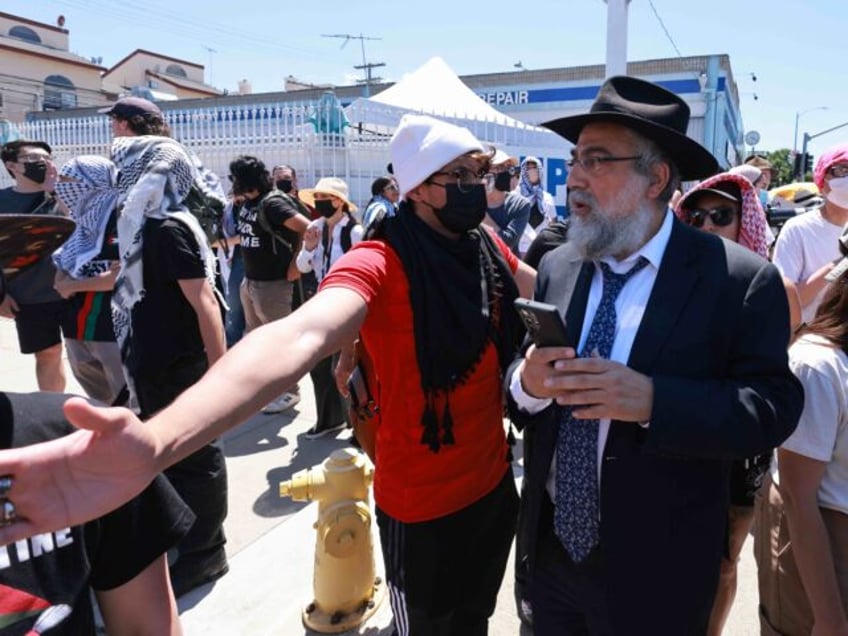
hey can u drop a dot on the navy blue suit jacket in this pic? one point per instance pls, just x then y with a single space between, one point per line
713 339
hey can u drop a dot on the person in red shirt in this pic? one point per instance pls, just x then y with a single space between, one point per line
432 298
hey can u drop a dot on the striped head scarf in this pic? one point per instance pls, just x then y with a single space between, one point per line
534 192
91 197
752 225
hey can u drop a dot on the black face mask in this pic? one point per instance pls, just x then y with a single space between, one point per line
325 208
35 171
464 209
503 181
284 185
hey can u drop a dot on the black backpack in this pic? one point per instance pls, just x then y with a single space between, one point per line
209 212
277 232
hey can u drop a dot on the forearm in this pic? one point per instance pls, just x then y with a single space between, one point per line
304 260
809 289
212 331
200 414
814 559
515 227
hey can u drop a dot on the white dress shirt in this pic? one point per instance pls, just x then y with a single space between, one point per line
629 307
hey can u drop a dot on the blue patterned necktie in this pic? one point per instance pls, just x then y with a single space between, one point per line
576 517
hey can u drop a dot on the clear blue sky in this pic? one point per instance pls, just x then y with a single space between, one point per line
796 49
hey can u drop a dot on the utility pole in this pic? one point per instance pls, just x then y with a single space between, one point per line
365 66
209 50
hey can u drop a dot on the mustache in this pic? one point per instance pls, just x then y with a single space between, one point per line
582 198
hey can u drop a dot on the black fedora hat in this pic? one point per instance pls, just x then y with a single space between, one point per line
650 110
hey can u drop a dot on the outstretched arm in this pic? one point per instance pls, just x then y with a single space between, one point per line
90 472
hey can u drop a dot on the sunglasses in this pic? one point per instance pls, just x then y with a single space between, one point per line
720 217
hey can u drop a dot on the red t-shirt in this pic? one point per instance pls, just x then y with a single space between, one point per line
411 482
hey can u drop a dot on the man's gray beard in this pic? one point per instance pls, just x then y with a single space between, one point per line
600 234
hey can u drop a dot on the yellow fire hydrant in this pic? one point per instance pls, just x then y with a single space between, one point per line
347 591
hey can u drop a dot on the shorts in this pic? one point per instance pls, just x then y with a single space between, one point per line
40 325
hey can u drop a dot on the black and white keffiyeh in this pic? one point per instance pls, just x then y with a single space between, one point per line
91 197
155 175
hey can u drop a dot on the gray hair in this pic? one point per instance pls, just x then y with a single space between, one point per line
650 155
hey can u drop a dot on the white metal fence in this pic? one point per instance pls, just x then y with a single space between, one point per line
314 138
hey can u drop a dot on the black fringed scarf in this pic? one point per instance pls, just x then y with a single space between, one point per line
462 294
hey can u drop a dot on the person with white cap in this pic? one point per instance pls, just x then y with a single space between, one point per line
325 241
433 303
508 210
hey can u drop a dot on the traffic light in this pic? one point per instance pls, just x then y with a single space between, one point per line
796 166
809 165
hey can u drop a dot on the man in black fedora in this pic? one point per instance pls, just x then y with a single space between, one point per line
677 364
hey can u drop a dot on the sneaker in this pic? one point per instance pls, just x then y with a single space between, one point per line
282 403
315 432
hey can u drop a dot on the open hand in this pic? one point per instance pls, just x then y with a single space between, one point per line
81 476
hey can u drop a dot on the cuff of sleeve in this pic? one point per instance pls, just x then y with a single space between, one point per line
523 401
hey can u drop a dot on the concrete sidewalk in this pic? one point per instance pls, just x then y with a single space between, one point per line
271 540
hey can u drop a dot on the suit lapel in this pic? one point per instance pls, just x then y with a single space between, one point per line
572 287
675 282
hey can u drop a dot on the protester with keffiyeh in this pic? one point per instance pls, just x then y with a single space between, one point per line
168 321
543 209
86 267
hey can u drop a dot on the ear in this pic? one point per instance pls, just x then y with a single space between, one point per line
660 174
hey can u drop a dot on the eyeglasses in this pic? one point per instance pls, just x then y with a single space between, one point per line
391 188
465 179
594 164
838 171
720 217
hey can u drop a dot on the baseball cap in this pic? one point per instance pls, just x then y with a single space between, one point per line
127 107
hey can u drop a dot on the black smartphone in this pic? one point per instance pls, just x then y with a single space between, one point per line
544 323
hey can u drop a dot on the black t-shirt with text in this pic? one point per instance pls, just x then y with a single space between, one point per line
48 577
265 258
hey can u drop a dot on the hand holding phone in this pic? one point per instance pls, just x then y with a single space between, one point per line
544 324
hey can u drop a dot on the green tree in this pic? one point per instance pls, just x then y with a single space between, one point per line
782 166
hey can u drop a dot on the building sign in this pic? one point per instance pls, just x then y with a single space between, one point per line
506 98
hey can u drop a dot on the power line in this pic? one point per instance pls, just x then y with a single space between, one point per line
187 25
366 66
662 24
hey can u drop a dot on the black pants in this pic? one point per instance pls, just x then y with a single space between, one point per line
329 403
568 599
444 575
201 478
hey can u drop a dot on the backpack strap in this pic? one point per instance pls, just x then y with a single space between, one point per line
265 224
346 241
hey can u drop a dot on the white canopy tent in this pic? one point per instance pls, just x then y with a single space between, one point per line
434 89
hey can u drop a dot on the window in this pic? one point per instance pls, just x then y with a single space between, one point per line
176 69
24 33
59 93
